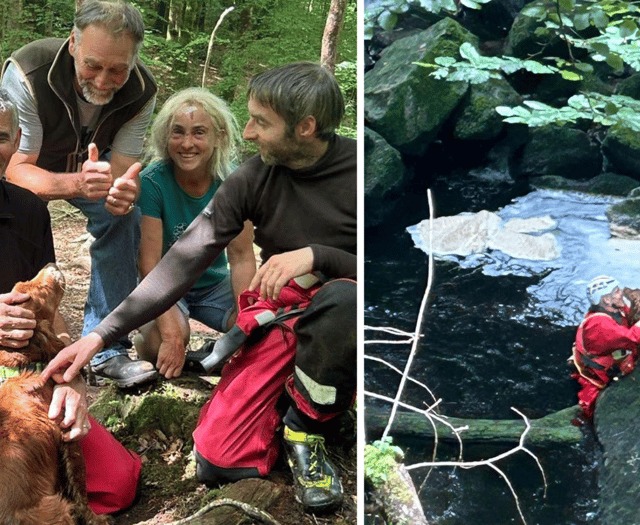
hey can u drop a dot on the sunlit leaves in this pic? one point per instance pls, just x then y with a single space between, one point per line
595 107
476 68
383 13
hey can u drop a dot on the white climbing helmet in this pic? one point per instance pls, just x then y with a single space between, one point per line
601 286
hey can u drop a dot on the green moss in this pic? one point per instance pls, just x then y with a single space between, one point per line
629 207
171 409
380 460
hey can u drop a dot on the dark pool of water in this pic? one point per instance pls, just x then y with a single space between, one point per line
481 356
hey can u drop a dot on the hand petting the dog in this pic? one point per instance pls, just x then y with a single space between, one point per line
65 366
16 323
72 397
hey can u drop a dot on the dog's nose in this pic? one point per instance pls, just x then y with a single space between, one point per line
52 271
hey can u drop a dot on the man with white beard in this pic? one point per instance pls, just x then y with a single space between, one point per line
85 104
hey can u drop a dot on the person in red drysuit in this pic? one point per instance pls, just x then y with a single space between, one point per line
606 344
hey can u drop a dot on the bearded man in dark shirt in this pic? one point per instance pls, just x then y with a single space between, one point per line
300 194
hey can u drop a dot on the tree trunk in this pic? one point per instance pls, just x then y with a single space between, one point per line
393 488
548 430
331 34
213 35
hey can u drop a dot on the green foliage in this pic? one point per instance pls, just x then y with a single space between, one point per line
379 459
385 13
617 34
477 69
600 109
346 74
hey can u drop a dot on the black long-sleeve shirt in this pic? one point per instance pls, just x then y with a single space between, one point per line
313 207
26 241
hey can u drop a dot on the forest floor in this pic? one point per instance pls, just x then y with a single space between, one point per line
169 490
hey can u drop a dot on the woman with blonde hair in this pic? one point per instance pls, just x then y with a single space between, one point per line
194 143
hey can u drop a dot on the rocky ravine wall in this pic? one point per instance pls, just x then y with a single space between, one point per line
409 113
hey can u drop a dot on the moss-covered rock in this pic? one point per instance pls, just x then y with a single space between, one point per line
403 103
603 184
622 149
384 176
629 87
560 150
617 417
477 118
171 410
624 218
528 35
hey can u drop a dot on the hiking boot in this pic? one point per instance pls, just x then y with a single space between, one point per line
317 484
213 355
125 372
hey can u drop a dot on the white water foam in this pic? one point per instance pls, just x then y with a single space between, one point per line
586 250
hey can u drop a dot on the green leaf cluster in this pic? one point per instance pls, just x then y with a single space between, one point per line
380 458
609 30
385 13
476 69
600 109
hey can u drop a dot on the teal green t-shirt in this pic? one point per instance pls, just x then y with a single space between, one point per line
163 198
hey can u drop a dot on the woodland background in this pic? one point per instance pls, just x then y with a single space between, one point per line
254 36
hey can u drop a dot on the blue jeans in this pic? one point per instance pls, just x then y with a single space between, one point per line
212 305
114 272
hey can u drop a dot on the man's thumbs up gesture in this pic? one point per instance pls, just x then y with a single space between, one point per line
124 191
96 176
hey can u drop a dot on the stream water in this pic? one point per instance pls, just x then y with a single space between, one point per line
495 337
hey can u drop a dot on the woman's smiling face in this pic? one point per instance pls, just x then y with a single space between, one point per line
192 140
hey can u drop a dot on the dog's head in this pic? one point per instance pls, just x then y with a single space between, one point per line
45 292
634 298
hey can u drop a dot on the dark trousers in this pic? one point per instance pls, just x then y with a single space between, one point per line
325 376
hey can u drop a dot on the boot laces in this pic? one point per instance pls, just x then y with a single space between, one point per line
317 454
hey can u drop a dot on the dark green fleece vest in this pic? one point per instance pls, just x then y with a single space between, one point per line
48 67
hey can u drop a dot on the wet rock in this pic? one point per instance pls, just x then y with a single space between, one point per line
604 184
622 149
477 118
616 421
629 87
624 217
385 174
528 35
403 102
556 150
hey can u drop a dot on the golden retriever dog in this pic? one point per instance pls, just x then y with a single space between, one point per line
42 477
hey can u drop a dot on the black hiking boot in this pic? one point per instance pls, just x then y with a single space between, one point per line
317 484
125 372
213 355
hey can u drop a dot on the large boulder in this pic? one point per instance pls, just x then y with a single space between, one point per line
622 149
617 423
384 177
403 102
477 118
529 36
559 150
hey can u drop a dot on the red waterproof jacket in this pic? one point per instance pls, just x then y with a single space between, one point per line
605 346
